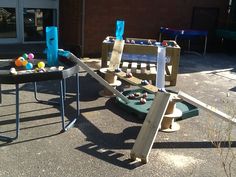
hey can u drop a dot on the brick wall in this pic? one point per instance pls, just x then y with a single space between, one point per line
143 18
70 25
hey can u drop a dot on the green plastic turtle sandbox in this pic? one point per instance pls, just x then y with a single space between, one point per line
141 110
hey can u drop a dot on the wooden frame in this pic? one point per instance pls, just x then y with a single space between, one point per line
172 52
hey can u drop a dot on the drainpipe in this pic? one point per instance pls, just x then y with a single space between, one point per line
82 27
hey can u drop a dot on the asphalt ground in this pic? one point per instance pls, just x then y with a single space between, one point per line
101 141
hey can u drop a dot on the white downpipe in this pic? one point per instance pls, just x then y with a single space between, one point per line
161 61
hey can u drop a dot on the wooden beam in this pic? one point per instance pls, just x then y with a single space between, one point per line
135 81
98 78
150 127
206 107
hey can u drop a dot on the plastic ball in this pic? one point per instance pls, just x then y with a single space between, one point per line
143 100
145 95
29 66
41 64
30 56
25 56
164 43
132 41
117 70
144 82
13 71
129 75
21 59
149 42
131 96
18 62
24 63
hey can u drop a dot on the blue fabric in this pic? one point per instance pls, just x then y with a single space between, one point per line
52 45
120 25
183 33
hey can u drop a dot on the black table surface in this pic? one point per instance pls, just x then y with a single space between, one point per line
70 68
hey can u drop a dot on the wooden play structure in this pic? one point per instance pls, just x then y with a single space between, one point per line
139 57
161 114
162 107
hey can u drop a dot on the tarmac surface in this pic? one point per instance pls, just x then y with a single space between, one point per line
101 141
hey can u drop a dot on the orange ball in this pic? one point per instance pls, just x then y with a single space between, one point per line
18 62
24 63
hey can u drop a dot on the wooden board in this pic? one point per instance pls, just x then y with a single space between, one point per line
135 81
98 78
149 130
116 54
206 107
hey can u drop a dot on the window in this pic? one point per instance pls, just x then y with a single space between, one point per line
35 22
24 21
7 23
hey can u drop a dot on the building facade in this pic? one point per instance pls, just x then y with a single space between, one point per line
83 24
24 21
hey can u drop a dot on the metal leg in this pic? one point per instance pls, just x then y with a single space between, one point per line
8 138
77 95
62 109
64 88
43 101
0 94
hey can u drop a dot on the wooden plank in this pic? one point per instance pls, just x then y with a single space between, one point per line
116 54
149 130
97 77
135 81
206 107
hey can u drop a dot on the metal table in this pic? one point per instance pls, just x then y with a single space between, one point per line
71 68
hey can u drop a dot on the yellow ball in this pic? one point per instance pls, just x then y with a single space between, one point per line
24 63
41 64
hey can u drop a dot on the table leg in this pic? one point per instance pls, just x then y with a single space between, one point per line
8 138
0 94
62 107
77 95
43 101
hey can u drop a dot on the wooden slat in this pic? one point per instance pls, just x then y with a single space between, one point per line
149 130
135 81
125 66
134 67
206 107
116 54
153 69
143 67
168 69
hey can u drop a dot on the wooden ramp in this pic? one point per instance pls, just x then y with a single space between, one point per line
116 54
149 130
97 77
206 107
137 82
